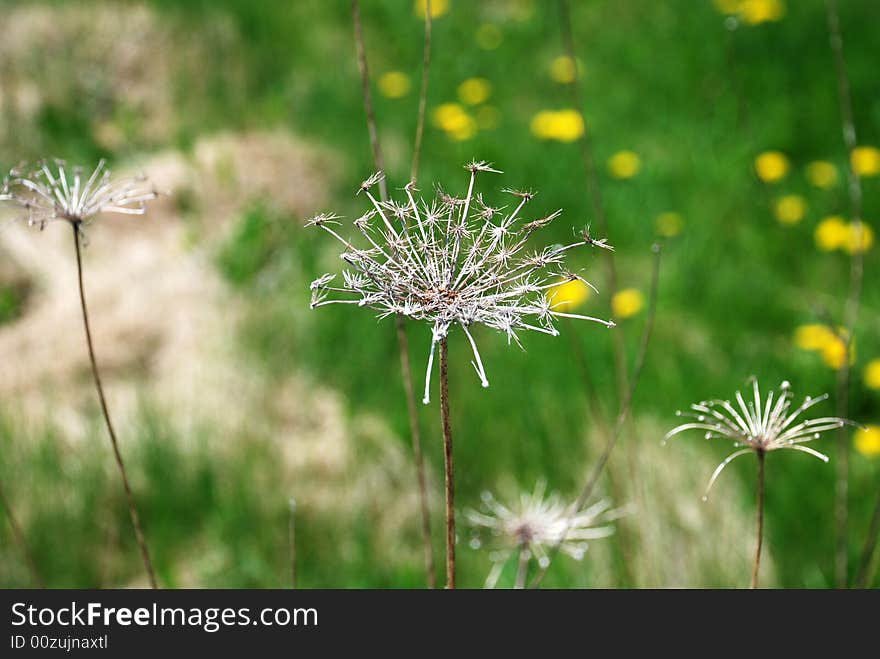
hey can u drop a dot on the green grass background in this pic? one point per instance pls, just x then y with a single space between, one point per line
697 102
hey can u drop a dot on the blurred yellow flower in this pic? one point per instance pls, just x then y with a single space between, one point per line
627 302
771 166
865 160
754 12
488 117
561 125
569 295
669 224
790 209
455 121
564 69
821 173
872 374
624 164
831 233
394 84
834 351
474 91
867 441
488 36
813 336
438 7
860 238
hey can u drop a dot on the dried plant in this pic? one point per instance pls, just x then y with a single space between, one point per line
453 261
47 195
535 524
758 426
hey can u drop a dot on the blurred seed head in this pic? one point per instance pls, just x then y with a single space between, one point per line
536 524
55 192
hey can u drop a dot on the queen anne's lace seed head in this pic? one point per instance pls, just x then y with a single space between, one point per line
537 524
450 261
48 193
758 426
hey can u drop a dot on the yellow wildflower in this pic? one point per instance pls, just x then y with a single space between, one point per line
488 36
831 233
455 121
860 238
867 441
569 295
834 351
813 336
627 302
865 160
438 8
821 173
669 224
771 166
872 374
564 69
624 164
790 209
474 91
755 12
561 125
394 84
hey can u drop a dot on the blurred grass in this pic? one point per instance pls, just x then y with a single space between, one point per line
696 101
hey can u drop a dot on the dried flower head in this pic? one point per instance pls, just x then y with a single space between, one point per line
538 523
451 261
47 194
758 426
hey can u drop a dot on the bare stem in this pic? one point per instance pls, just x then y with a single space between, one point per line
450 474
870 546
522 567
595 194
415 432
402 344
368 99
291 539
853 300
757 564
18 538
626 405
423 95
132 509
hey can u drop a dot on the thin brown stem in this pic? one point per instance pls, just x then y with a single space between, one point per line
19 539
415 432
132 509
423 96
291 540
402 344
368 98
853 300
870 546
522 568
450 473
594 193
757 565
598 468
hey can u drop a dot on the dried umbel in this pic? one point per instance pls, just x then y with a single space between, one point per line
537 524
758 426
451 261
47 193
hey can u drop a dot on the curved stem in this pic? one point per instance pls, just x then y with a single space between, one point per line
132 509
423 95
450 475
406 370
757 564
